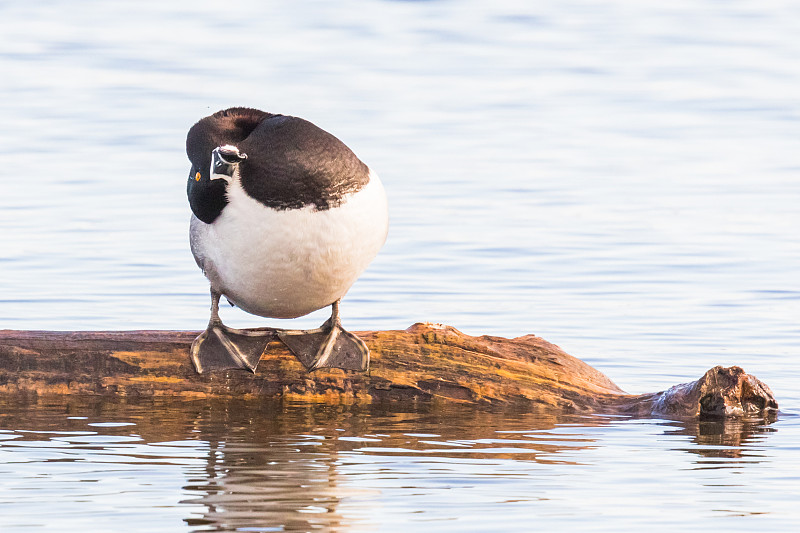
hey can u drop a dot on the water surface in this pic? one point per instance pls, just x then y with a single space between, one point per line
247 466
622 179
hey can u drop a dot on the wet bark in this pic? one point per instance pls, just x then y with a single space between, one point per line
425 363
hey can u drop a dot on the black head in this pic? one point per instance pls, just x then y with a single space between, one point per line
227 127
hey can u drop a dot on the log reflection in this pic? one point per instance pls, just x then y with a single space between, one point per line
724 438
264 466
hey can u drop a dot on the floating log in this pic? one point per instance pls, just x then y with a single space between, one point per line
425 363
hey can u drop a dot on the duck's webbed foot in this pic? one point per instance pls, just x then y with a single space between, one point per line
220 347
329 346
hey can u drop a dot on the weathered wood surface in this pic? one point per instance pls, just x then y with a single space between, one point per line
425 363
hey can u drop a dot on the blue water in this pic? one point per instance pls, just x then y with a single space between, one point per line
622 179
221 466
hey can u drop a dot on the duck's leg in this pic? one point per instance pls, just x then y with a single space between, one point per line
329 346
220 347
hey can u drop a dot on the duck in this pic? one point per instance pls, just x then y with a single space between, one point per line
285 218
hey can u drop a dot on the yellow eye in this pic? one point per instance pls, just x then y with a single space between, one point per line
197 177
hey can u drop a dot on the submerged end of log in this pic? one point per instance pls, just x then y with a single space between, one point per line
720 393
424 363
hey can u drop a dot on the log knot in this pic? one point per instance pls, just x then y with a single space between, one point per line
721 392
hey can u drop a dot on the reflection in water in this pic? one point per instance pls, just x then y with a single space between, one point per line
260 471
731 439
258 466
274 466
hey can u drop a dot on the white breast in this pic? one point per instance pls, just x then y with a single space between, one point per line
288 263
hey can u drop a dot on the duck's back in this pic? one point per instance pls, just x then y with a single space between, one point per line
292 163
